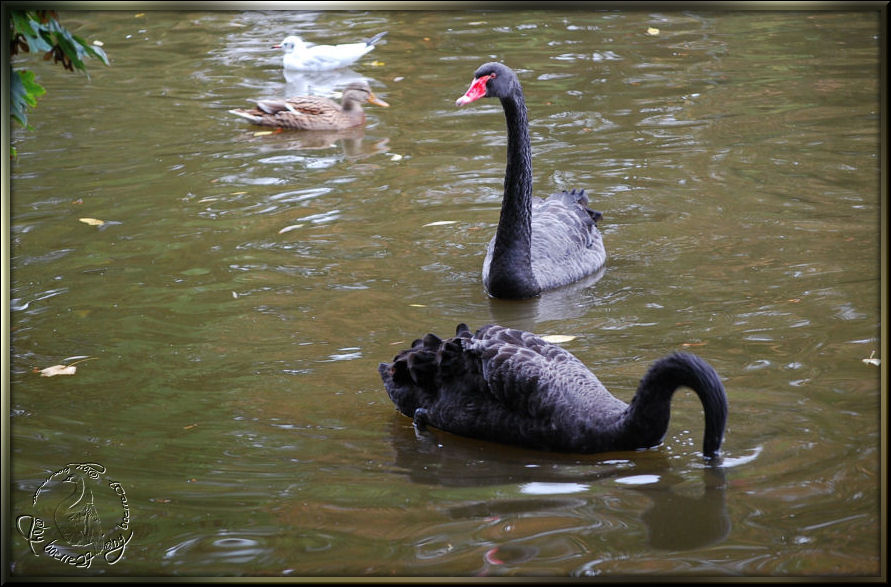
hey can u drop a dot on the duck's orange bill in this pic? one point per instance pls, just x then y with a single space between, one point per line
377 101
476 91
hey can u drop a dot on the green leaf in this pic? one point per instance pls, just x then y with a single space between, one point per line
25 24
92 50
24 91
39 31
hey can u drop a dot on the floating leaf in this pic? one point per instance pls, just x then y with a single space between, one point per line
68 369
58 370
377 64
417 306
290 228
396 157
262 133
99 43
92 221
652 31
440 223
557 338
872 360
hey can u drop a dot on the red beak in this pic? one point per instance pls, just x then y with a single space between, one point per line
476 91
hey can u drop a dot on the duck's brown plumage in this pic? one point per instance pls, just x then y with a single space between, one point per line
314 112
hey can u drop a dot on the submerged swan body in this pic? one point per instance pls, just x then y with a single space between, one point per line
506 385
540 244
314 112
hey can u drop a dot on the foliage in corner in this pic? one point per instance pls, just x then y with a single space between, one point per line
39 31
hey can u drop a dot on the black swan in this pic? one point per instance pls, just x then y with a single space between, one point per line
540 243
507 385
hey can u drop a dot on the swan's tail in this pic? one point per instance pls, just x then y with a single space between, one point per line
578 198
414 377
373 40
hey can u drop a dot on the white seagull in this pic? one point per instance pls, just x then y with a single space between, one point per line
300 56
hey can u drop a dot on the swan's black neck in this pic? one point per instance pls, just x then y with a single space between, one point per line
510 271
647 416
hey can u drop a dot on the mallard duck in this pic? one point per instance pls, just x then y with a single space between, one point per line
314 112
300 56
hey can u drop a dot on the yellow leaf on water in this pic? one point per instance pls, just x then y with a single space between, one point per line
92 221
653 31
290 228
440 223
58 370
68 369
872 360
262 133
377 63
557 338
417 306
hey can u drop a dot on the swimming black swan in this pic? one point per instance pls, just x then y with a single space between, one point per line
507 385
540 243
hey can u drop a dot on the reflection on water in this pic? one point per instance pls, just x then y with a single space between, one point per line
322 83
244 286
674 521
349 143
566 303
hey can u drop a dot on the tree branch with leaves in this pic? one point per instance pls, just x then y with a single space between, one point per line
39 31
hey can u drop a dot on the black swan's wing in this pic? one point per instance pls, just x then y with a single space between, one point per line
498 384
566 244
539 379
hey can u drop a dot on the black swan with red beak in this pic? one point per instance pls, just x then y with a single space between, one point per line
540 244
510 386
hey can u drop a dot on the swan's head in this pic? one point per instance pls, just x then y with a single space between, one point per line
361 92
492 80
290 44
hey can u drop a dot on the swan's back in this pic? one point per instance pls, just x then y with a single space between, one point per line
566 244
503 385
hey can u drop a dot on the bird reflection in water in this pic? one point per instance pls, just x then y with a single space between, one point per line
676 520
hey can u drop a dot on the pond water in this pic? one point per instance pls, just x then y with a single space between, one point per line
235 302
